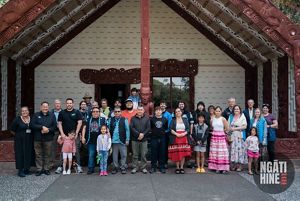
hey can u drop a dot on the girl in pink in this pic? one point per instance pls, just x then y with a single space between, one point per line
68 150
252 146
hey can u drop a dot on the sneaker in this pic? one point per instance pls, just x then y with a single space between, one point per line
79 168
123 171
218 171
39 173
90 172
163 171
202 170
101 173
198 170
145 171
58 170
153 170
115 170
69 171
47 172
64 172
105 173
21 173
133 171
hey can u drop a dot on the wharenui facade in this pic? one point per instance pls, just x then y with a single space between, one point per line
196 50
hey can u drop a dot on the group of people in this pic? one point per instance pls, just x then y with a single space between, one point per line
226 140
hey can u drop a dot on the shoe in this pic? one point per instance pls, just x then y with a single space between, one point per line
145 171
182 171
239 169
26 172
198 170
101 173
153 170
123 171
218 171
115 170
105 173
69 171
21 173
90 172
133 171
190 165
39 173
177 171
202 170
166 166
256 172
79 168
250 173
224 172
47 172
64 172
163 171
58 170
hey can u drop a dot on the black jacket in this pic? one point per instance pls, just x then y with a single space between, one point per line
38 121
139 125
187 129
200 133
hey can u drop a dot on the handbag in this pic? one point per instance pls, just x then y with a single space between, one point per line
229 137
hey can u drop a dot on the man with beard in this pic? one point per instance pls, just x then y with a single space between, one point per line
87 99
68 120
129 112
228 111
116 104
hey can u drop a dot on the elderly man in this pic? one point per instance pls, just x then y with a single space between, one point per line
249 113
229 110
140 128
44 125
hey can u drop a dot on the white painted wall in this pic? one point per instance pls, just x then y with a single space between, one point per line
114 41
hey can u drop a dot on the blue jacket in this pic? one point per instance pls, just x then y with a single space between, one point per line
168 116
261 126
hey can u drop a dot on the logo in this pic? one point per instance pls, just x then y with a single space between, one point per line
275 177
158 124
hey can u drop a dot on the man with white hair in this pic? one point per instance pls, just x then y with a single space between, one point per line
229 110
249 113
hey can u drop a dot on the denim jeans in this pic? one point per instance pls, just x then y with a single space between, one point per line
92 156
103 160
158 154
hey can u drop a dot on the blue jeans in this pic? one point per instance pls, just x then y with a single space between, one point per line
103 160
92 156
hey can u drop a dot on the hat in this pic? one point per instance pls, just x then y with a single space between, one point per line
86 95
128 99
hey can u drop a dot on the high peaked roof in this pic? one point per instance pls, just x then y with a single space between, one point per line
254 31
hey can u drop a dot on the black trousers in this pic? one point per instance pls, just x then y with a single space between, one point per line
23 150
271 150
158 152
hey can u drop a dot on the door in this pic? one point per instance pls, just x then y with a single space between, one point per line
112 92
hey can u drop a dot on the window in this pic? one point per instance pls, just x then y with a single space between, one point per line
172 90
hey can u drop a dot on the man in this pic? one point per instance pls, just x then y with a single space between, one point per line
120 134
229 110
104 108
129 112
95 104
168 116
44 125
116 104
249 113
139 128
90 133
68 120
55 111
87 99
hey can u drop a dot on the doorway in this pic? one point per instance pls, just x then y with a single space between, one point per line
112 92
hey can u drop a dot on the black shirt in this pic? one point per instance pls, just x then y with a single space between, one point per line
93 129
158 126
69 120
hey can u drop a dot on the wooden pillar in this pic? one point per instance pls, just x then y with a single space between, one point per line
267 83
297 83
11 91
27 85
283 97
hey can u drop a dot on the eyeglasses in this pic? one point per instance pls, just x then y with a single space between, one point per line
117 111
95 111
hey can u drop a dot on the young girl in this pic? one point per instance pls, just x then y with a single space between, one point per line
252 150
68 150
103 147
200 134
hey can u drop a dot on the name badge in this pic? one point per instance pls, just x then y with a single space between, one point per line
28 130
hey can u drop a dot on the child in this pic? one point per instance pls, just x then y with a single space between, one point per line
200 134
159 126
103 147
68 150
135 98
252 146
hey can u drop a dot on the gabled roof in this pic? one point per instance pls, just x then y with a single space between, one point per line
254 31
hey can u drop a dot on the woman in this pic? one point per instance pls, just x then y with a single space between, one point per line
211 115
237 129
201 110
260 124
179 141
272 125
219 155
21 130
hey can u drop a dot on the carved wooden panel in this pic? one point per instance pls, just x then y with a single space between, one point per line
7 151
267 83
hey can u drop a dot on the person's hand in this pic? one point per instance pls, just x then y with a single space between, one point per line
127 143
199 142
45 129
141 136
83 140
73 154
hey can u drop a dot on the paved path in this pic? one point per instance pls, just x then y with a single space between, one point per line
191 186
